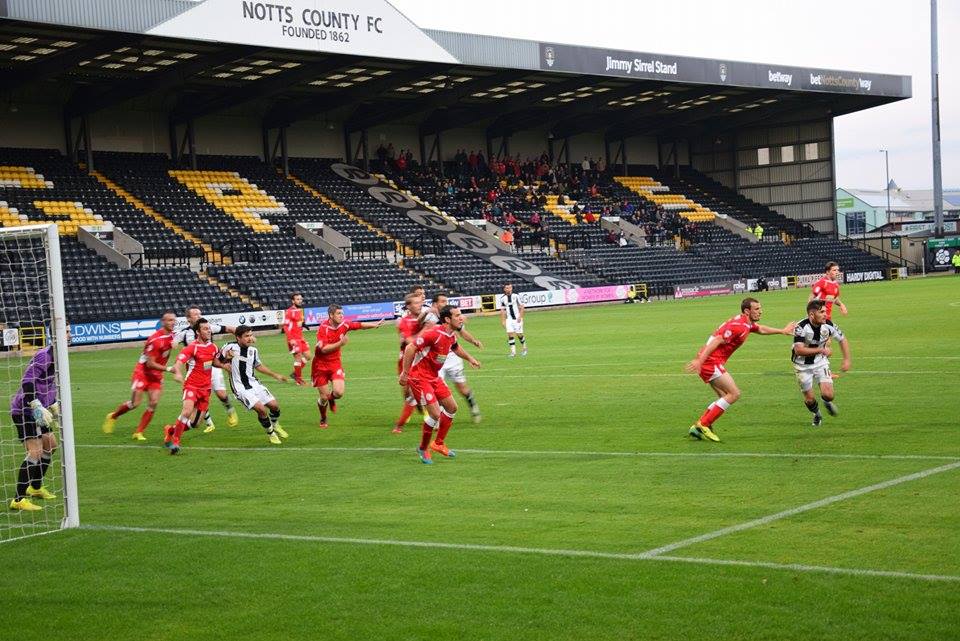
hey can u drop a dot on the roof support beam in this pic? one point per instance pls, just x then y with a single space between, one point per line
96 98
452 118
549 115
679 118
607 119
189 109
284 114
363 118
66 60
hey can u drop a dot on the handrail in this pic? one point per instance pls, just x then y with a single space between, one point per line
861 243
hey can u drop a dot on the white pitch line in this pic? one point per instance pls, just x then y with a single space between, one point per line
803 567
511 549
585 453
770 518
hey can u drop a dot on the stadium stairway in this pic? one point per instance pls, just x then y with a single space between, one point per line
400 248
152 213
214 255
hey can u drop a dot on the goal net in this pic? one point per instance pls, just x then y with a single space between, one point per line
37 465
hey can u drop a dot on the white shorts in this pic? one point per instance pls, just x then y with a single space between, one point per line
216 380
256 394
514 326
452 369
819 375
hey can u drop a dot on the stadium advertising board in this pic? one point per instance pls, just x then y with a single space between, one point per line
360 312
551 297
357 27
131 330
465 303
862 277
634 64
940 252
461 236
699 290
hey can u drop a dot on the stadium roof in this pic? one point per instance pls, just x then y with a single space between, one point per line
192 58
909 200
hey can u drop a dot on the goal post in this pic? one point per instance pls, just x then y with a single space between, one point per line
34 366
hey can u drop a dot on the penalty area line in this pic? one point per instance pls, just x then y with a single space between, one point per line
493 452
512 549
800 509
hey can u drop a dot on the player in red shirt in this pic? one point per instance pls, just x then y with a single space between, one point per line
293 328
408 326
713 356
327 368
147 377
828 289
422 361
199 355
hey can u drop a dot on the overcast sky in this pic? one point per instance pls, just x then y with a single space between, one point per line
857 35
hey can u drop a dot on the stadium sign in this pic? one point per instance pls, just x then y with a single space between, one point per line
115 331
459 235
699 290
355 27
862 277
579 295
650 66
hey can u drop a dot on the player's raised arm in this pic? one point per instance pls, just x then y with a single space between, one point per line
470 338
845 350
786 330
263 369
371 325
713 343
462 353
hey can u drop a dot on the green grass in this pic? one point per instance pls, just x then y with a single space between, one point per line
582 449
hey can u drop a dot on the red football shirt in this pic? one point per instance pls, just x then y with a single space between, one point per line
408 326
734 334
327 334
158 347
200 357
433 346
293 323
827 290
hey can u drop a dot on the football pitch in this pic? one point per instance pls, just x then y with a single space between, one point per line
577 509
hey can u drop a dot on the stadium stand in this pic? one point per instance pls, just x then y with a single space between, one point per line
65 189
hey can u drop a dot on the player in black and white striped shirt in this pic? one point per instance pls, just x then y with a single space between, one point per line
511 317
811 357
243 360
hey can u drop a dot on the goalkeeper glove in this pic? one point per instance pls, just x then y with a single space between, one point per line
54 423
41 415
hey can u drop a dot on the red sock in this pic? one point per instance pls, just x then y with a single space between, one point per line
297 369
713 413
122 409
446 422
180 428
405 414
145 420
323 412
425 436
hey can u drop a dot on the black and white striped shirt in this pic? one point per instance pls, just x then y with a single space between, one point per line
243 364
511 303
188 335
813 336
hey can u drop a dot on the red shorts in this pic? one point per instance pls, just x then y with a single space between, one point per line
712 371
143 384
200 398
428 391
326 373
298 346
